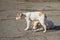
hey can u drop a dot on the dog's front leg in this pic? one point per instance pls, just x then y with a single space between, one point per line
28 23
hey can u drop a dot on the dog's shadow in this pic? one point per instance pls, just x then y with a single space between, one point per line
56 28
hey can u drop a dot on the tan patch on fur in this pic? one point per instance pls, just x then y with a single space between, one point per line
41 14
45 16
38 24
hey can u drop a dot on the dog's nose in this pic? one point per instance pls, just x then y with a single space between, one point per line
16 18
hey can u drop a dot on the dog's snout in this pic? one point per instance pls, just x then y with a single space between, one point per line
16 18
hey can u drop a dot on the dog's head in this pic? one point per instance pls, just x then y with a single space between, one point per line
19 15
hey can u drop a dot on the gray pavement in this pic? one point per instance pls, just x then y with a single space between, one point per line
10 29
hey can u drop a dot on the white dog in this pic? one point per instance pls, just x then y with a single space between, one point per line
38 25
32 16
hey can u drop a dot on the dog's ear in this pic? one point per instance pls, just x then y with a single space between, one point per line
19 13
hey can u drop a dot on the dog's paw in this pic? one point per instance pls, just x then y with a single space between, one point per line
26 29
44 31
